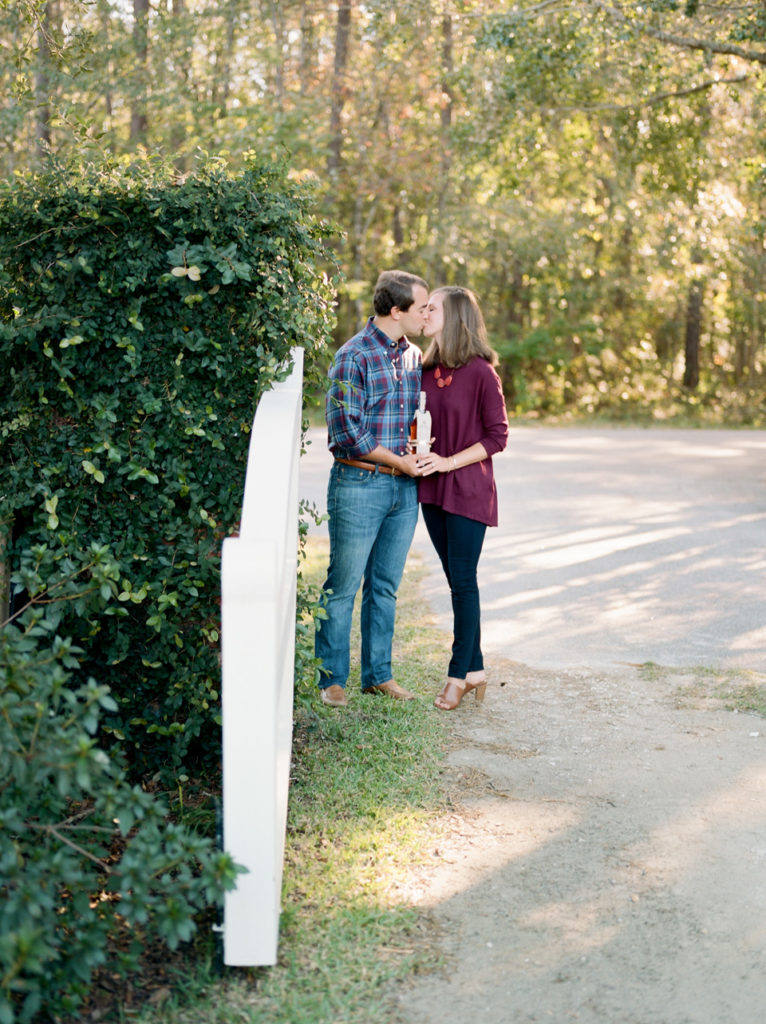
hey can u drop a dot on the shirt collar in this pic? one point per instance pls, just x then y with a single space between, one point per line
383 339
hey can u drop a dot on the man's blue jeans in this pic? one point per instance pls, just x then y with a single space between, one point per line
372 520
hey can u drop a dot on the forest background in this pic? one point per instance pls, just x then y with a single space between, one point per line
595 171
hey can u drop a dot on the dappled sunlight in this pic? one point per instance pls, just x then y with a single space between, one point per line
575 554
680 450
470 858
638 570
515 599
622 545
601 833
599 592
499 543
755 639
565 441
627 546
671 853
618 863
572 929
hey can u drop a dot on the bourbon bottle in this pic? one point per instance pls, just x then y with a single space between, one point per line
420 428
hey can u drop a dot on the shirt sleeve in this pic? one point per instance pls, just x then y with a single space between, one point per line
494 416
344 407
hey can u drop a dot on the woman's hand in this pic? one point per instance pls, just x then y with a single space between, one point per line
433 463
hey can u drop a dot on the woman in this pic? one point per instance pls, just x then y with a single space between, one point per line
457 488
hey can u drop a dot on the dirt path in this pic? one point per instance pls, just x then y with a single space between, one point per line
606 862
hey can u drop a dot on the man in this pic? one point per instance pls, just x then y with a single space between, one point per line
372 494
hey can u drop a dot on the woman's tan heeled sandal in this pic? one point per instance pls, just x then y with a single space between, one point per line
453 693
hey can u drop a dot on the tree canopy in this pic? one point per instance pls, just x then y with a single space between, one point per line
594 170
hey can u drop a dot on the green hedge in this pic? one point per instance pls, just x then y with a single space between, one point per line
90 869
142 318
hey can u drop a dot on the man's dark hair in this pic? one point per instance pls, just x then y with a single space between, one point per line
394 288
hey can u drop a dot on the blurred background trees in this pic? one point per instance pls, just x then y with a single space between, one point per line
595 171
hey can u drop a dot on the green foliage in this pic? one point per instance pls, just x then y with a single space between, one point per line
500 136
309 608
141 318
84 854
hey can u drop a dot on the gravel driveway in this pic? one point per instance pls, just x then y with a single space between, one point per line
605 862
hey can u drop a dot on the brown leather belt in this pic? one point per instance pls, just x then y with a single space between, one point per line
373 467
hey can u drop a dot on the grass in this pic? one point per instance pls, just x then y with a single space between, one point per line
739 690
365 792
366 799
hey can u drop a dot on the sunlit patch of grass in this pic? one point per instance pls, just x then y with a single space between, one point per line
366 788
751 698
741 691
730 689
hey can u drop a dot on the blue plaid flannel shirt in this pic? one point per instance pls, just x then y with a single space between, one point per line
373 394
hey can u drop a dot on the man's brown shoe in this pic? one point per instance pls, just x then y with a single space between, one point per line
334 696
390 689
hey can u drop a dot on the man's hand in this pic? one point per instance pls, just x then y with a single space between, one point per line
409 464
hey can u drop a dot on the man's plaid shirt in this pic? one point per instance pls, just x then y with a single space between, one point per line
373 394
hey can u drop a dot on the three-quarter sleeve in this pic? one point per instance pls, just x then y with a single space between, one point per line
494 417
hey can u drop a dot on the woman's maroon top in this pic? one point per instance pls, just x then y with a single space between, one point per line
470 409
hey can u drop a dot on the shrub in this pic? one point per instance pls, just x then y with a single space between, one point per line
83 853
141 318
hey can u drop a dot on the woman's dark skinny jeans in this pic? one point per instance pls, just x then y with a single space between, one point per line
458 542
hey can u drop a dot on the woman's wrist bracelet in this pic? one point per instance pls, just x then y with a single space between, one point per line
454 464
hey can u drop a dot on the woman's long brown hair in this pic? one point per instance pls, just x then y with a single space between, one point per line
464 334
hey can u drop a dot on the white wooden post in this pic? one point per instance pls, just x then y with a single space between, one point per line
258 585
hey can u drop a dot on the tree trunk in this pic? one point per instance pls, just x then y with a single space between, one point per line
445 140
742 332
750 335
518 309
692 335
276 17
338 93
178 131
105 15
438 225
622 290
396 225
307 58
224 57
447 69
43 85
741 353
139 121
666 337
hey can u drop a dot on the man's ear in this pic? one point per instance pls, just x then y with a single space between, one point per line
395 312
